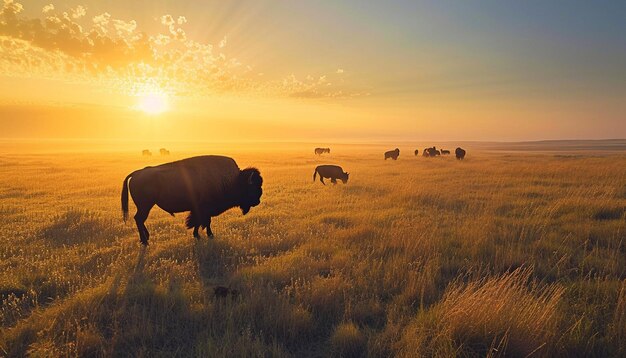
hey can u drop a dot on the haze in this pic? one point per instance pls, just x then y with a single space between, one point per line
284 71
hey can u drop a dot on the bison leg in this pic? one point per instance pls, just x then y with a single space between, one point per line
322 179
334 181
140 219
209 233
196 224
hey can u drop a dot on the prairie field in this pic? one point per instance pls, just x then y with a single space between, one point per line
503 254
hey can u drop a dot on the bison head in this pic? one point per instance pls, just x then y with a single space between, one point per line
250 182
344 177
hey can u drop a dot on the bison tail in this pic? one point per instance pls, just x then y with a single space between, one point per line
125 197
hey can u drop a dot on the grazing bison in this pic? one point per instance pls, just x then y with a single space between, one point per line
417 152
146 152
393 154
460 153
425 152
206 186
333 172
445 152
432 152
164 151
320 151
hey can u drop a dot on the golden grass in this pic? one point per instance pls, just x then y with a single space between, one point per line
348 341
474 316
500 255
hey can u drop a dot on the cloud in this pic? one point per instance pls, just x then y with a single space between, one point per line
78 12
123 27
117 54
47 8
167 20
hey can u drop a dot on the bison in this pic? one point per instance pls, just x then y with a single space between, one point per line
417 152
460 153
393 154
445 152
164 151
425 152
146 153
432 152
320 151
333 172
206 186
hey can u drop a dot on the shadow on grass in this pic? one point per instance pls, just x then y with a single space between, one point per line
151 318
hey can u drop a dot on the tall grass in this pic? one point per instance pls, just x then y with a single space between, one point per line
520 317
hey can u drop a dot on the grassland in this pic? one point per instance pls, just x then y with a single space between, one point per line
501 254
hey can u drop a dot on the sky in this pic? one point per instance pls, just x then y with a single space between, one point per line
344 71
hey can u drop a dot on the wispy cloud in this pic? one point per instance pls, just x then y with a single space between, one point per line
46 8
74 45
78 12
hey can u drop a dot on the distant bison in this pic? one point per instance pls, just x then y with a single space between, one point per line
393 154
417 152
206 186
425 152
333 172
445 152
460 153
432 152
164 151
146 152
320 151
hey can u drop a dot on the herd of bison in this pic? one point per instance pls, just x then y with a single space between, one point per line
206 186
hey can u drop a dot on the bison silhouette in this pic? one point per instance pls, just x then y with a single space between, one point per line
320 151
445 152
431 152
460 153
206 186
417 152
333 172
393 154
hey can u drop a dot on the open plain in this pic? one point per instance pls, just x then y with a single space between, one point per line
505 253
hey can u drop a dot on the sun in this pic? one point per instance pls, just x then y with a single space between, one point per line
153 103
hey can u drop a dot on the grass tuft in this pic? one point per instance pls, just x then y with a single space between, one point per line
348 341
